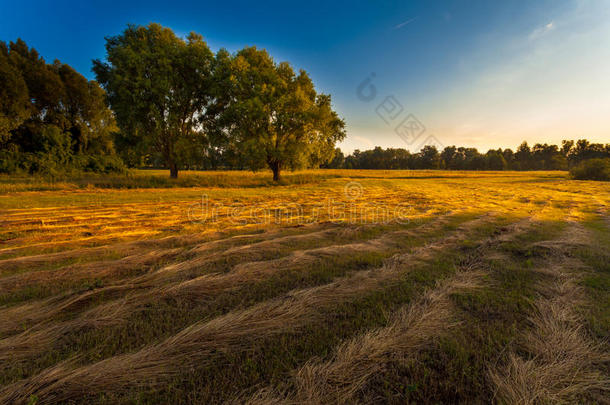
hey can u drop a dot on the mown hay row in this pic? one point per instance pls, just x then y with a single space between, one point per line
357 360
120 304
198 343
557 361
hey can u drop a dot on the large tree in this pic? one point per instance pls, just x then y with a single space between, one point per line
158 86
273 117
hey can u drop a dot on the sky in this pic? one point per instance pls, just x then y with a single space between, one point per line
484 74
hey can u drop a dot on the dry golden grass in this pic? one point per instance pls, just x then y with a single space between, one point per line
356 361
53 220
109 294
196 344
563 363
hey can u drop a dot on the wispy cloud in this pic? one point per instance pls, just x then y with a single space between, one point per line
540 81
402 24
538 32
363 140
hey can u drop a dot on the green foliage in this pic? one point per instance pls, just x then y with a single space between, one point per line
52 119
9 160
584 150
539 157
592 169
336 162
271 116
429 158
13 96
548 157
495 160
180 106
158 86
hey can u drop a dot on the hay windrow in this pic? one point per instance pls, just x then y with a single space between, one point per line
561 363
197 343
120 296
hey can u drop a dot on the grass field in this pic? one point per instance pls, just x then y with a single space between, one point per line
330 287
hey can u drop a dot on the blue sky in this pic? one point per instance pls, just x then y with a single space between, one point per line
475 73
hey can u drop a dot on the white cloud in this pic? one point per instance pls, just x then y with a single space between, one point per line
402 24
541 31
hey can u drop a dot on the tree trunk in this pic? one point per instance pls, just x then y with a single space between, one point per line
173 170
275 167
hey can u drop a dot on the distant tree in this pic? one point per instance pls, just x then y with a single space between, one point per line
403 158
461 158
477 161
539 157
378 159
448 157
584 150
158 86
523 157
566 147
469 159
495 160
429 158
592 169
509 157
352 161
548 157
273 116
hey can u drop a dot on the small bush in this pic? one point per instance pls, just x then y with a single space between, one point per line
592 169
105 164
9 160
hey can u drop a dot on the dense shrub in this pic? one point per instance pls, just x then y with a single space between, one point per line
9 161
56 165
592 169
104 164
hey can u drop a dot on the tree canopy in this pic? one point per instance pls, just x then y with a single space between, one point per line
176 99
51 117
273 117
158 87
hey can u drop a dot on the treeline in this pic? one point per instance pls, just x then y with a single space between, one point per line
166 101
537 157
52 119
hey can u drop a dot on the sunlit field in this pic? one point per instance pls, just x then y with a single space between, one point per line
333 286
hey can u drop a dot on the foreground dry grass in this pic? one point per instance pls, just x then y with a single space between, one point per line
335 286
